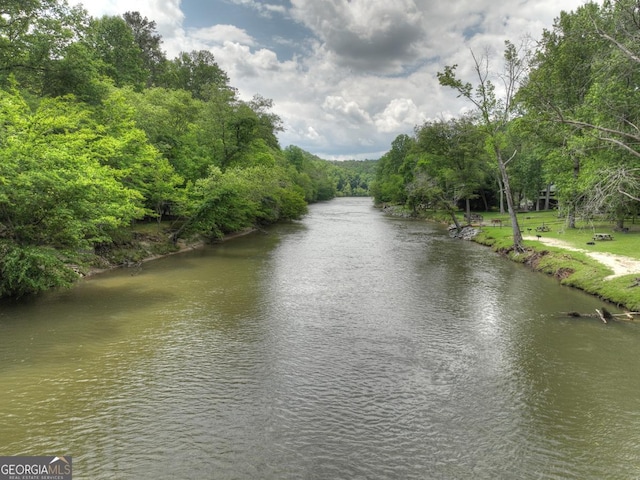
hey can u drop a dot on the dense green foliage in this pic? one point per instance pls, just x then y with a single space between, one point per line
566 120
99 130
354 177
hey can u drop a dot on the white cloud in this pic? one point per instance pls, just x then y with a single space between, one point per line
367 70
311 134
346 109
263 8
401 113
166 13
221 34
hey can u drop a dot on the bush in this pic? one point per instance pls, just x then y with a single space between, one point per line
29 270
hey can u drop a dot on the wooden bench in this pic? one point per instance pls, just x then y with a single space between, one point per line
602 236
543 228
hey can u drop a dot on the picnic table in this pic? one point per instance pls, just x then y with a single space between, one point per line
602 236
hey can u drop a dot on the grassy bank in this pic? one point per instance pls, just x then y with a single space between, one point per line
572 268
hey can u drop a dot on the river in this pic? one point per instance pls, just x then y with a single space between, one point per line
348 345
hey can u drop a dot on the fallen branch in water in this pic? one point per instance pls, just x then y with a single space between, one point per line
604 315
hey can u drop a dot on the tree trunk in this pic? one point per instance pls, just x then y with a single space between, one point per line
468 210
517 235
484 200
501 192
547 197
571 216
452 212
574 193
455 220
521 198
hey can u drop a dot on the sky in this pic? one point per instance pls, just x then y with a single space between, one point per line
346 76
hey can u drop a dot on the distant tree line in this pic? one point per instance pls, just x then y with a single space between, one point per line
566 119
99 129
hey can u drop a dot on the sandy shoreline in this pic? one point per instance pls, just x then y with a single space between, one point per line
620 265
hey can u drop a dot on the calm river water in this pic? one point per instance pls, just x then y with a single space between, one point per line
349 345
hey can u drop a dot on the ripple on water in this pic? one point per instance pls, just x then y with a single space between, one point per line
347 346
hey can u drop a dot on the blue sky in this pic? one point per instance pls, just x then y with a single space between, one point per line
271 29
346 76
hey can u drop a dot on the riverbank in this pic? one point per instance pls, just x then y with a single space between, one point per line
145 245
620 264
613 277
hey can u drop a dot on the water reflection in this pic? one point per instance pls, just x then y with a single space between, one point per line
348 345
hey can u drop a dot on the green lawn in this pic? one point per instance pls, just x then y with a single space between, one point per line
627 244
571 268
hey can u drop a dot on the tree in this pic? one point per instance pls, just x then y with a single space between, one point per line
55 196
611 113
392 173
615 190
354 176
295 156
557 86
268 123
196 72
315 177
122 146
78 73
170 120
34 35
216 126
495 113
451 153
55 190
237 199
426 189
237 132
149 44
114 44
584 80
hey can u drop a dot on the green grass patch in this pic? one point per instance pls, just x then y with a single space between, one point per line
627 244
571 268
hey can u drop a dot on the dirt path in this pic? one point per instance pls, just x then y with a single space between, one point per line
619 264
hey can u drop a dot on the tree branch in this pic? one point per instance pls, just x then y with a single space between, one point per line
511 157
637 199
621 144
602 129
620 46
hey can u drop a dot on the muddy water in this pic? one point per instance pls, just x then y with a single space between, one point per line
349 345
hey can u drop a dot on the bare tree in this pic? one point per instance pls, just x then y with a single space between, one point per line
495 111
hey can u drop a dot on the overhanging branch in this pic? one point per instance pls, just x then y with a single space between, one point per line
622 145
620 46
